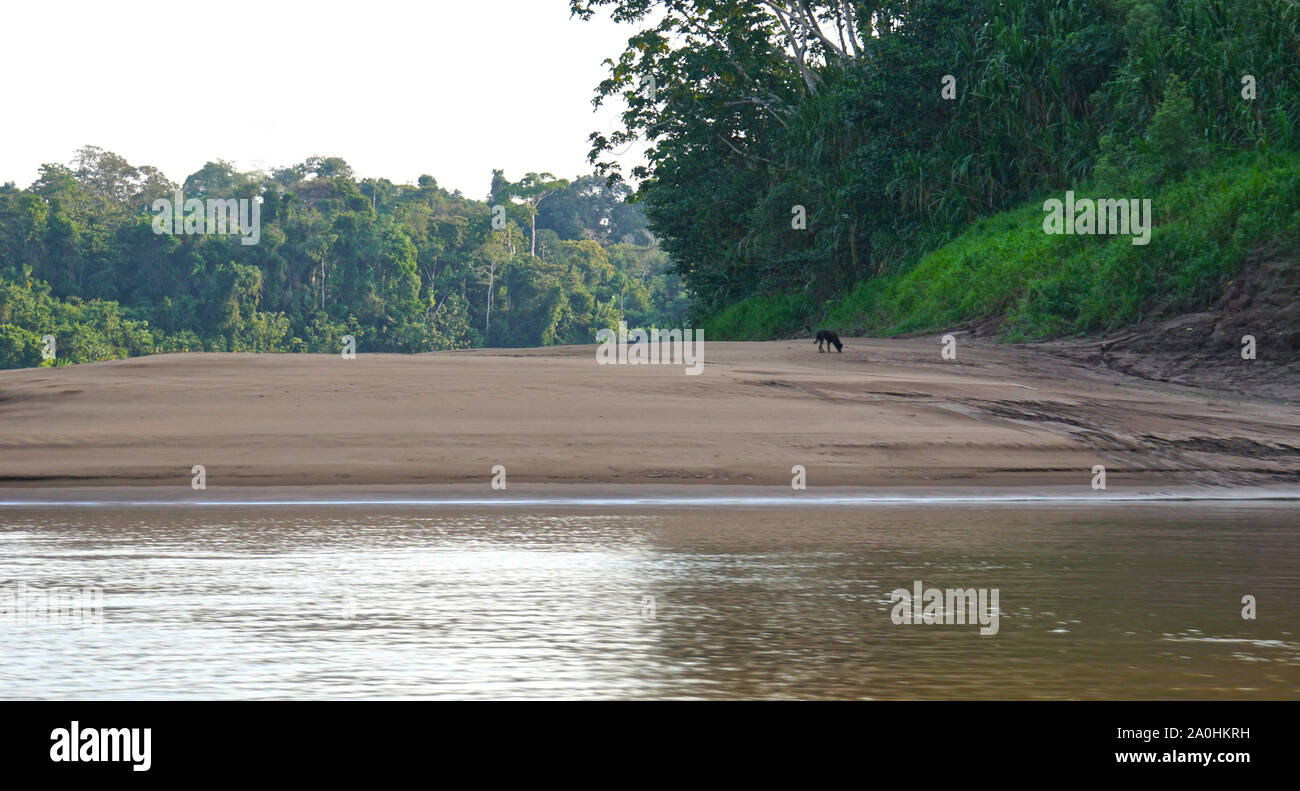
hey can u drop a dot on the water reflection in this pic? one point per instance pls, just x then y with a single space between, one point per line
1124 601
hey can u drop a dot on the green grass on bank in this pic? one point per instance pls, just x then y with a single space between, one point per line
1045 285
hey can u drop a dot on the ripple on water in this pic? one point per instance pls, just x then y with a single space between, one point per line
687 603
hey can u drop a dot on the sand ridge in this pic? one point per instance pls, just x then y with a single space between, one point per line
884 413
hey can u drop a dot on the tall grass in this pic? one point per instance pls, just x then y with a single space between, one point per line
761 318
1041 286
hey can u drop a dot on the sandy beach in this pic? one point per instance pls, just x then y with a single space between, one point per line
884 414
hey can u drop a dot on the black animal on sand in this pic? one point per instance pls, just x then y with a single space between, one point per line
831 339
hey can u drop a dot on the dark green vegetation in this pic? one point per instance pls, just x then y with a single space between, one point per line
401 268
925 212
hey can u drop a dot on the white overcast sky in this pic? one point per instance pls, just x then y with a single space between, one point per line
397 88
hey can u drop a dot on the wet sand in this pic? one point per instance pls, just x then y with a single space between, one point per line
886 414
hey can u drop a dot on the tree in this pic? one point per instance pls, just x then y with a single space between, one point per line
532 189
400 267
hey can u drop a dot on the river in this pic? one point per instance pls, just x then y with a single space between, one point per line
1105 601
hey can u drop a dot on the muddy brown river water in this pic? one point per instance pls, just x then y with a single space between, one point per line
1108 601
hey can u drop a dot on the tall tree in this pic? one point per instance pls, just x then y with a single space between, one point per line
531 190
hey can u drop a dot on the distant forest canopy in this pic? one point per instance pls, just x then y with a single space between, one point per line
751 110
402 268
